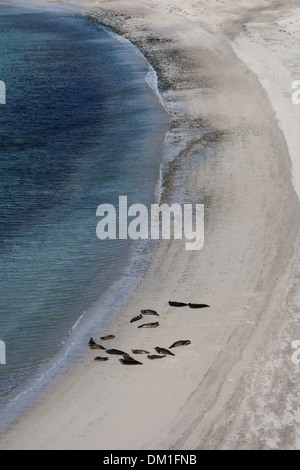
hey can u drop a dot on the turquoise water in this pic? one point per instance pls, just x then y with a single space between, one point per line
80 127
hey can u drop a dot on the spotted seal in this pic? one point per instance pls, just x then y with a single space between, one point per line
177 344
149 325
137 318
149 312
155 356
94 345
164 351
115 352
139 351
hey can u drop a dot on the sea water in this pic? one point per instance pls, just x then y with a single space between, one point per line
80 127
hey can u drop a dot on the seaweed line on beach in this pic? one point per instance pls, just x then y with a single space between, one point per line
186 135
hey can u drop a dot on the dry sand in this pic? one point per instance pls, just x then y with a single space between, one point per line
235 386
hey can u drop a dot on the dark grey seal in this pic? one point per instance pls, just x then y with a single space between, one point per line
137 318
198 306
101 359
94 345
128 360
155 356
177 304
149 325
149 312
164 351
115 351
139 351
180 343
105 338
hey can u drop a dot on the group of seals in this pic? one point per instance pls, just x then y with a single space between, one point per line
161 352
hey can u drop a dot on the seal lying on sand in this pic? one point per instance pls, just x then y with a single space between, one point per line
180 343
116 352
149 325
101 358
139 351
128 360
155 356
198 305
149 312
104 338
164 351
137 318
177 304
94 345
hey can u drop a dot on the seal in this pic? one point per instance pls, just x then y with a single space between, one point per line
139 351
94 345
115 351
164 351
198 306
177 304
155 356
128 360
149 312
137 318
180 343
101 359
149 325
105 338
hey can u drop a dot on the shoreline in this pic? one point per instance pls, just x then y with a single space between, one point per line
235 387
73 348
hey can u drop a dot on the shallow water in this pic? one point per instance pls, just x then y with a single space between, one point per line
80 127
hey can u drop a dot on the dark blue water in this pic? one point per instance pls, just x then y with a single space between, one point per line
80 127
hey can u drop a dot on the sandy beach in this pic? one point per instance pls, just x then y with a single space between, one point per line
226 70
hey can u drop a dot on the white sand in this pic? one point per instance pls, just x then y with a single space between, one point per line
235 387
